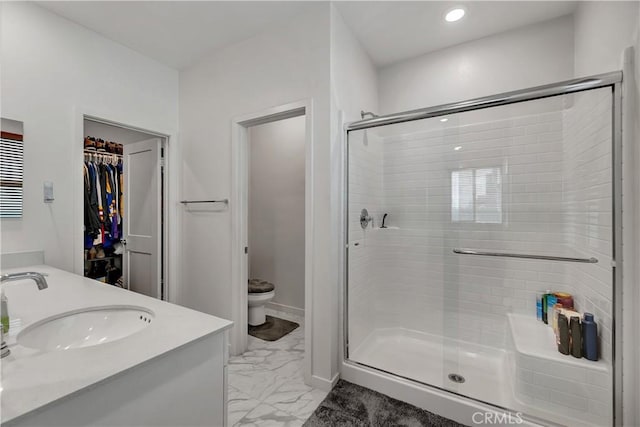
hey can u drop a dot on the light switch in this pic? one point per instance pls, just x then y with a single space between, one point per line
48 192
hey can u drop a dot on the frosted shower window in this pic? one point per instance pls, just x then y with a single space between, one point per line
476 195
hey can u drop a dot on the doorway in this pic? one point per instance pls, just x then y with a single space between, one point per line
276 211
273 223
124 207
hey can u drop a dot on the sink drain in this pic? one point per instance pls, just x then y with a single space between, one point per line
456 378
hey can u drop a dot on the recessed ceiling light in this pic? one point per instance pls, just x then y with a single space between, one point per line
444 120
454 14
458 148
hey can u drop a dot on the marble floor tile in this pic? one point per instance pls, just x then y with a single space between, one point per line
297 399
266 383
239 404
267 415
258 384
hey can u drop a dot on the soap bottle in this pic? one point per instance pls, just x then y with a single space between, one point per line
576 336
4 313
563 334
590 337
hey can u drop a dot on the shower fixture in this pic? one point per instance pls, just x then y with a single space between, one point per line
383 218
367 113
365 219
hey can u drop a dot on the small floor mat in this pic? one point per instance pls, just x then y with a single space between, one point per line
350 405
273 329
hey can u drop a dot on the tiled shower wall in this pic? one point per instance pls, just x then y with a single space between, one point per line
365 191
467 297
409 277
588 205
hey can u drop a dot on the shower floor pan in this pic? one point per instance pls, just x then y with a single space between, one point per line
438 361
443 362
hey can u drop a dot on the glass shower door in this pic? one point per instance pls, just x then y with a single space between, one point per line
468 221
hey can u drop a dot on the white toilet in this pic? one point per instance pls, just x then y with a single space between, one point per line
260 293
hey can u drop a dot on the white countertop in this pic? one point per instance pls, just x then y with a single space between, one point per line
33 378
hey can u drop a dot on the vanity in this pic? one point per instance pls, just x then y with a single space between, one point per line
83 353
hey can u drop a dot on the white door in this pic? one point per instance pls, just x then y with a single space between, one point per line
142 223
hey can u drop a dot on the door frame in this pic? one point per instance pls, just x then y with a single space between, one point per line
167 137
239 219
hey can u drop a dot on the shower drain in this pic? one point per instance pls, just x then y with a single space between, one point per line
456 378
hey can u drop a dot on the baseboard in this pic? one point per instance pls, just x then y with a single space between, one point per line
286 309
323 383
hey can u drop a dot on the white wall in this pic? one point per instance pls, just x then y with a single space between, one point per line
603 30
354 78
287 64
52 71
533 55
354 87
276 208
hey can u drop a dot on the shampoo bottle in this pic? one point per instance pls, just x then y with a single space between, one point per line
539 298
545 306
590 337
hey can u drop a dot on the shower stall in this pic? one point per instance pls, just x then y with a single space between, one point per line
489 204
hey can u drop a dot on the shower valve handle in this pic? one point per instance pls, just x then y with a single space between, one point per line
365 219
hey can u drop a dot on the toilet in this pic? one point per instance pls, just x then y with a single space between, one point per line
260 293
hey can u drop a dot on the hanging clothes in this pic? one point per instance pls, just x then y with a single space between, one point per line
103 215
91 218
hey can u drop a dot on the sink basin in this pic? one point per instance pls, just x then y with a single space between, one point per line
85 328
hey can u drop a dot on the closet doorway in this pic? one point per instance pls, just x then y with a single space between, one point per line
124 207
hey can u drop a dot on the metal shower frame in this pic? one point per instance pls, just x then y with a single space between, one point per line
612 80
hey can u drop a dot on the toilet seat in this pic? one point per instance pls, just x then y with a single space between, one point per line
258 286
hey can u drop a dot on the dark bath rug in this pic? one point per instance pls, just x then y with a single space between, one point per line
273 329
352 405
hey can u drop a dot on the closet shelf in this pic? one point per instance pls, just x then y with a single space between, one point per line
103 259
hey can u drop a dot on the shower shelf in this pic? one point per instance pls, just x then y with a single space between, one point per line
463 251
534 339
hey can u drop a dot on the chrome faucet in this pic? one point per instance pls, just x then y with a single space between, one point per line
42 284
37 277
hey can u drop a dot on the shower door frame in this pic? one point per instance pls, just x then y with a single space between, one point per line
612 80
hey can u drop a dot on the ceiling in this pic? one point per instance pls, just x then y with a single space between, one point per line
392 31
177 33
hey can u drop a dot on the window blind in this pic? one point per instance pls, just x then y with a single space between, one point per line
11 174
